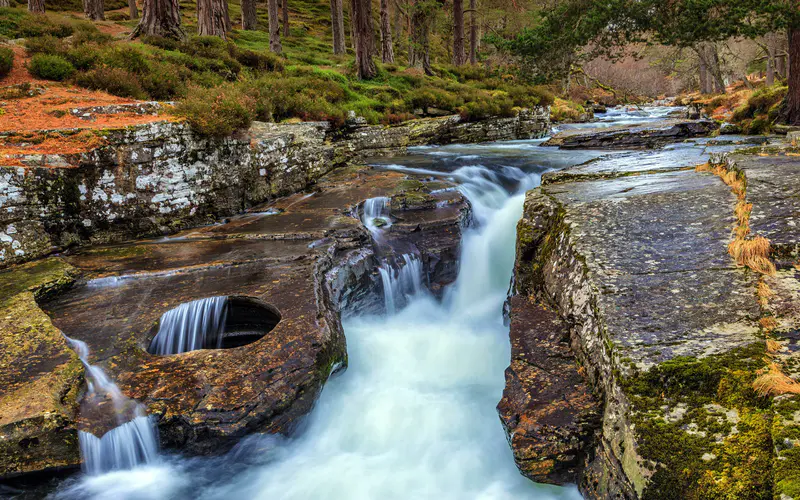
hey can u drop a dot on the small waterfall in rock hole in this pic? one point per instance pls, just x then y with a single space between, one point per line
377 214
133 440
402 283
199 324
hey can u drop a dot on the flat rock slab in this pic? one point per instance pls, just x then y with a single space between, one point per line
637 268
773 187
648 136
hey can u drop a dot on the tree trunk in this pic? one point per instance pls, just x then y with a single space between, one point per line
704 89
361 13
337 24
793 77
473 33
286 18
249 16
780 65
274 27
420 51
94 10
387 50
459 56
132 9
5 3
770 40
36 6
716 72
212 17
160 18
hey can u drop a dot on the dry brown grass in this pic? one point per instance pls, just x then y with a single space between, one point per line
773 346
742 212
764 293
753 253
768 323
774 382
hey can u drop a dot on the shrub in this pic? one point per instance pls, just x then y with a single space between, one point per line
84 57
431 97
129 58
218 111
115 81
498 106
161 42
46 44
6 61
261 61
165 82
88 33
50 67
39 25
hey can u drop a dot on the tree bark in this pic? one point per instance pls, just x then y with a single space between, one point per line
337 24
361 11
770 40
473 33
36 6
459 56
274 27
212 17
160 18
132 9
780 63
716 71
793 77
286 18
420 51
703 72
5 3
249 16
387 50
94 10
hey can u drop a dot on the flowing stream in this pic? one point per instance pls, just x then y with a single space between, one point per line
413 417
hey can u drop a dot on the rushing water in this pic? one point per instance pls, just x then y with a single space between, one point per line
413 417
194 325
131 442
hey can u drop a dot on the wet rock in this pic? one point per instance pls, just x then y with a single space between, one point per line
644 137
548 411
637 269
40 376
161 177
305 255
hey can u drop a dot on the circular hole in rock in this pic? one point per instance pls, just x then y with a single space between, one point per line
222 322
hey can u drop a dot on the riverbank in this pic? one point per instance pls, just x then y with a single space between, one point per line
673 325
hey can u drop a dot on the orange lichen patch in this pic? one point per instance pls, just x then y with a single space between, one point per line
774 382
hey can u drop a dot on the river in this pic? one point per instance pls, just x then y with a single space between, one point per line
413 416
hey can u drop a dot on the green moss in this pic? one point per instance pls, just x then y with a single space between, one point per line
695 452
42 277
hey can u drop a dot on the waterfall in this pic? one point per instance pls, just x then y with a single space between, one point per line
376 214
401 284
194 325
132 442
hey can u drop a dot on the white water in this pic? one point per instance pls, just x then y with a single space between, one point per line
376 214
133 442
413 417
194 325
401 284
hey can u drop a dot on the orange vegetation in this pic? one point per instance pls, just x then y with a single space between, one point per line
774 382
29 117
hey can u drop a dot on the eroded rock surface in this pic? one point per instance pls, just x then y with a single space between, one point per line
663 324
307 255
649 136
